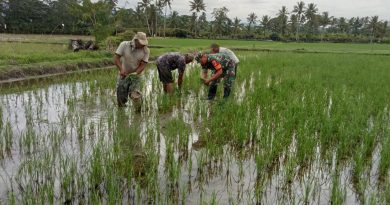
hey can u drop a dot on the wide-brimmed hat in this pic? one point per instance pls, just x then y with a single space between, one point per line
141 37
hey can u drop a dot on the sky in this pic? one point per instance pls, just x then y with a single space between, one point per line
242 8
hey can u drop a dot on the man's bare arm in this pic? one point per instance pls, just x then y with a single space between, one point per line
204 74
180 79
141 67
118 64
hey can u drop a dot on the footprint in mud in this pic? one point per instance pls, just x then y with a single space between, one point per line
140 164
198 144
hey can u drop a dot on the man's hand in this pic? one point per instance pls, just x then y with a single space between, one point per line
123 73
206 82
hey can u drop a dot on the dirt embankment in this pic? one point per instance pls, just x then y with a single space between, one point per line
42 70
31 70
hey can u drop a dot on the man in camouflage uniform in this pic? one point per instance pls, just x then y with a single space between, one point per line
222 66
131 59
215 48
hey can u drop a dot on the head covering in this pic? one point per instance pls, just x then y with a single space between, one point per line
214 45
189 57
141 37
198 56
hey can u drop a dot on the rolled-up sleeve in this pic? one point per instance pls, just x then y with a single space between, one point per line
121 49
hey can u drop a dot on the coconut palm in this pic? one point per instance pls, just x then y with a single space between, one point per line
166 4
220 20
311 16
373 25
299 10
174 20
251 20
293 22
144 6
202 22
343 25
236 26
282 16
265 23
356 25
197 6
325 20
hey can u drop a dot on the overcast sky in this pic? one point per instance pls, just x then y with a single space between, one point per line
241 8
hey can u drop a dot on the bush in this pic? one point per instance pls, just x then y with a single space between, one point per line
112 42
181 33
275 37
126 36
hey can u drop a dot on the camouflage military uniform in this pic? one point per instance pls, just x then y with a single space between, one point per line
228 74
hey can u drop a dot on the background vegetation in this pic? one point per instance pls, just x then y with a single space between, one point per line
303 22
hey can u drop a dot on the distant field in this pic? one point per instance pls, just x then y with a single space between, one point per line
42 38
28 55
199 44
19 52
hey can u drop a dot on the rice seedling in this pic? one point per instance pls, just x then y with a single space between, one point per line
296 125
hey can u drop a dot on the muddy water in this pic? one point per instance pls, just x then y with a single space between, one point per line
72 118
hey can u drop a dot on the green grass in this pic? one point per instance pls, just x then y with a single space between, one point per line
36 38
28 53
298 126
200 44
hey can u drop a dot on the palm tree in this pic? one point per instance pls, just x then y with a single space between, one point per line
311 16
202 22
144 6
293 22
282 16
343 25
251 20
356 25
193 22
384 29
325 20
166 4
265 23
174 20
159 5
373 26
236 26
197 6
299 9
220 20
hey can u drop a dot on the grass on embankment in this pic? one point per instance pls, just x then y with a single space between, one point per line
38 38
31 55
19 60
201 44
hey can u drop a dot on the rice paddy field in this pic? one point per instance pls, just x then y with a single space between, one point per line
299 128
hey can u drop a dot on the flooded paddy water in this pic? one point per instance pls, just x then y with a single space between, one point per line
274 141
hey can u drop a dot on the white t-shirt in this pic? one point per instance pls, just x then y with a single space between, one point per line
229 53
131 57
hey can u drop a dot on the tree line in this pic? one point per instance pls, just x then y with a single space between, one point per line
303 22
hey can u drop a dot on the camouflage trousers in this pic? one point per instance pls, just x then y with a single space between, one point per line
228 79
129 87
